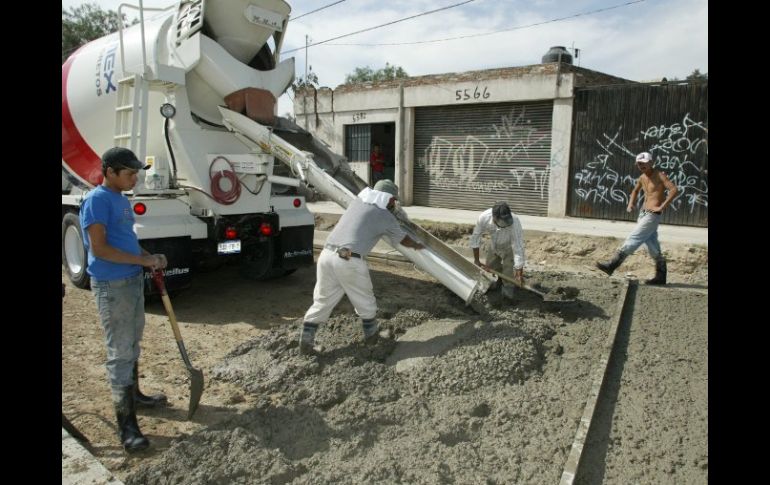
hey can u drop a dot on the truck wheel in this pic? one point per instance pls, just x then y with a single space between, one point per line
257 264
257 261
73 251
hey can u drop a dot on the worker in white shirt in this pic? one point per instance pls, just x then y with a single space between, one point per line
505 251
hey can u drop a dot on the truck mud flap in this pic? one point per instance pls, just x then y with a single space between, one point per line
295 247
178 273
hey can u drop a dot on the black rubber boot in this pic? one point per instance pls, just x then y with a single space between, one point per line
128 429
143 401
610 266
660 273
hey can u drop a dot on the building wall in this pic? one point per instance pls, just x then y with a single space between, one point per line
407 177
325 112
558 183
525 88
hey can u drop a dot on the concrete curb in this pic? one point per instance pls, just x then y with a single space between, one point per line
572 225
80 467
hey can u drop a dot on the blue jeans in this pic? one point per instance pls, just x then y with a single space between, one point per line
121 311
646 231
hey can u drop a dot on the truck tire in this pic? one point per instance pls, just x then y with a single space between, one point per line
73 251
257 262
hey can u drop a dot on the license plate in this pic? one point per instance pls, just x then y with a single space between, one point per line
229 247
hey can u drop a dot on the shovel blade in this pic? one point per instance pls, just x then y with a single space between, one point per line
196 390
562 295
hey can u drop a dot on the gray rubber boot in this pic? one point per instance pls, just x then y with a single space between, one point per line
371 330
307 338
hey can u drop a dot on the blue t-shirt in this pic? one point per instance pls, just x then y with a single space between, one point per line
113 210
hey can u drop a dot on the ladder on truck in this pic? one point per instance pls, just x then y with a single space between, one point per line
131 115
133 91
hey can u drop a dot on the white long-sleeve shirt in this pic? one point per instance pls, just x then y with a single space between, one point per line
503 239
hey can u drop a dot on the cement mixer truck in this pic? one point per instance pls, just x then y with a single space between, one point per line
155 88
192 90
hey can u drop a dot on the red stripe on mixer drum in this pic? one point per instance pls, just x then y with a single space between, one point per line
75 152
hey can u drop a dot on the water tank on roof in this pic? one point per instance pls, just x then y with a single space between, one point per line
553 55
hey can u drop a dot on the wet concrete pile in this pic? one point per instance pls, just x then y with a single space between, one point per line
484 402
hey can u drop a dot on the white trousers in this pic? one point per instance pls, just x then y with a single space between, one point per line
502 262
337 277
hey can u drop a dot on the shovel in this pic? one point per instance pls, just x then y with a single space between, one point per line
544 296
72 430
196 375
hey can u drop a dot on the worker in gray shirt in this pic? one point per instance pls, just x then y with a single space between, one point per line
341 268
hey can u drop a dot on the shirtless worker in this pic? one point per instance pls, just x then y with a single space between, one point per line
654 183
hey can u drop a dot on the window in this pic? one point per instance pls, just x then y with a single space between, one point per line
358 142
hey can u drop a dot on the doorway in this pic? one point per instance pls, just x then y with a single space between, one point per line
359 143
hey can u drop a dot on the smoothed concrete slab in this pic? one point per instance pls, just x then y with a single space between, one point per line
420 344
80 467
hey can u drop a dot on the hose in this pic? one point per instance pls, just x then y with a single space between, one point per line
170 151
224 197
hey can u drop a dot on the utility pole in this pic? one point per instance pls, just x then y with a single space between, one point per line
304 87
575 53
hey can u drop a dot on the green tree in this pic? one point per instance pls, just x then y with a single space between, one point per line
696 75
301 83
80 25
366 74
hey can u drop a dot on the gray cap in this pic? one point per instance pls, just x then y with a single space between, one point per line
388 186
502 213
119 157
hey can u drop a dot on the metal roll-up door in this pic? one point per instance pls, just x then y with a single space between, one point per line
469 156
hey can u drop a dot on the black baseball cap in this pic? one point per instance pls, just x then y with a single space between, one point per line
502 213
119 157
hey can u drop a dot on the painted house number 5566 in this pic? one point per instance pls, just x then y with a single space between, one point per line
466 94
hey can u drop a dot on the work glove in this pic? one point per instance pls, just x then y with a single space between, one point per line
162 262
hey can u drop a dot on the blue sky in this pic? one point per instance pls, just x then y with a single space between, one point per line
641 41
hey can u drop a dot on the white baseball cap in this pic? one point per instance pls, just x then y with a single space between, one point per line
644 157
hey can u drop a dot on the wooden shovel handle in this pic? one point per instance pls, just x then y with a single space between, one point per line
157 277
507 278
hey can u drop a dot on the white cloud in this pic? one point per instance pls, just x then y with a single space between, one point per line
651 39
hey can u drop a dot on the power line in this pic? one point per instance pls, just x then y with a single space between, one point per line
382 25
317 10
498 31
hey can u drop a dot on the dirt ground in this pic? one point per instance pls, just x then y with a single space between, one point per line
501 405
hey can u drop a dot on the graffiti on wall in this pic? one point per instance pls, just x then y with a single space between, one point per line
468 162
675 149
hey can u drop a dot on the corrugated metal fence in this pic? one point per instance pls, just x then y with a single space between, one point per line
469 156
614 123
